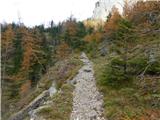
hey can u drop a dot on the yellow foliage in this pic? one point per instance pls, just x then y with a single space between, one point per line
93 23
97 37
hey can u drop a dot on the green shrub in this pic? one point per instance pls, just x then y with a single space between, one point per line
154 68
114 74
139 64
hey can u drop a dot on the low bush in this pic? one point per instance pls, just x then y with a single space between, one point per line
139 65
114 74
154 68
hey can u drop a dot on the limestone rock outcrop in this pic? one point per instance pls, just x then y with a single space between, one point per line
103 7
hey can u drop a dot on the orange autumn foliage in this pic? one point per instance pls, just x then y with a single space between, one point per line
28 52
24 89
112 24
30 47
139 10
71 27
31 50
7 37
63 51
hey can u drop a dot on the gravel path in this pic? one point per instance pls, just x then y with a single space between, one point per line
87 101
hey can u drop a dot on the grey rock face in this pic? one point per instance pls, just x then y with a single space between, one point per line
37 102
33 113
52 89
36 105
104 7
87 101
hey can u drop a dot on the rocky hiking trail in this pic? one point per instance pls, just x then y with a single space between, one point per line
87 101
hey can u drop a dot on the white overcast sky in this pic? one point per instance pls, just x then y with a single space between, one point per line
34 12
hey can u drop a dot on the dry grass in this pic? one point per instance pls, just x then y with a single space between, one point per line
61 107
